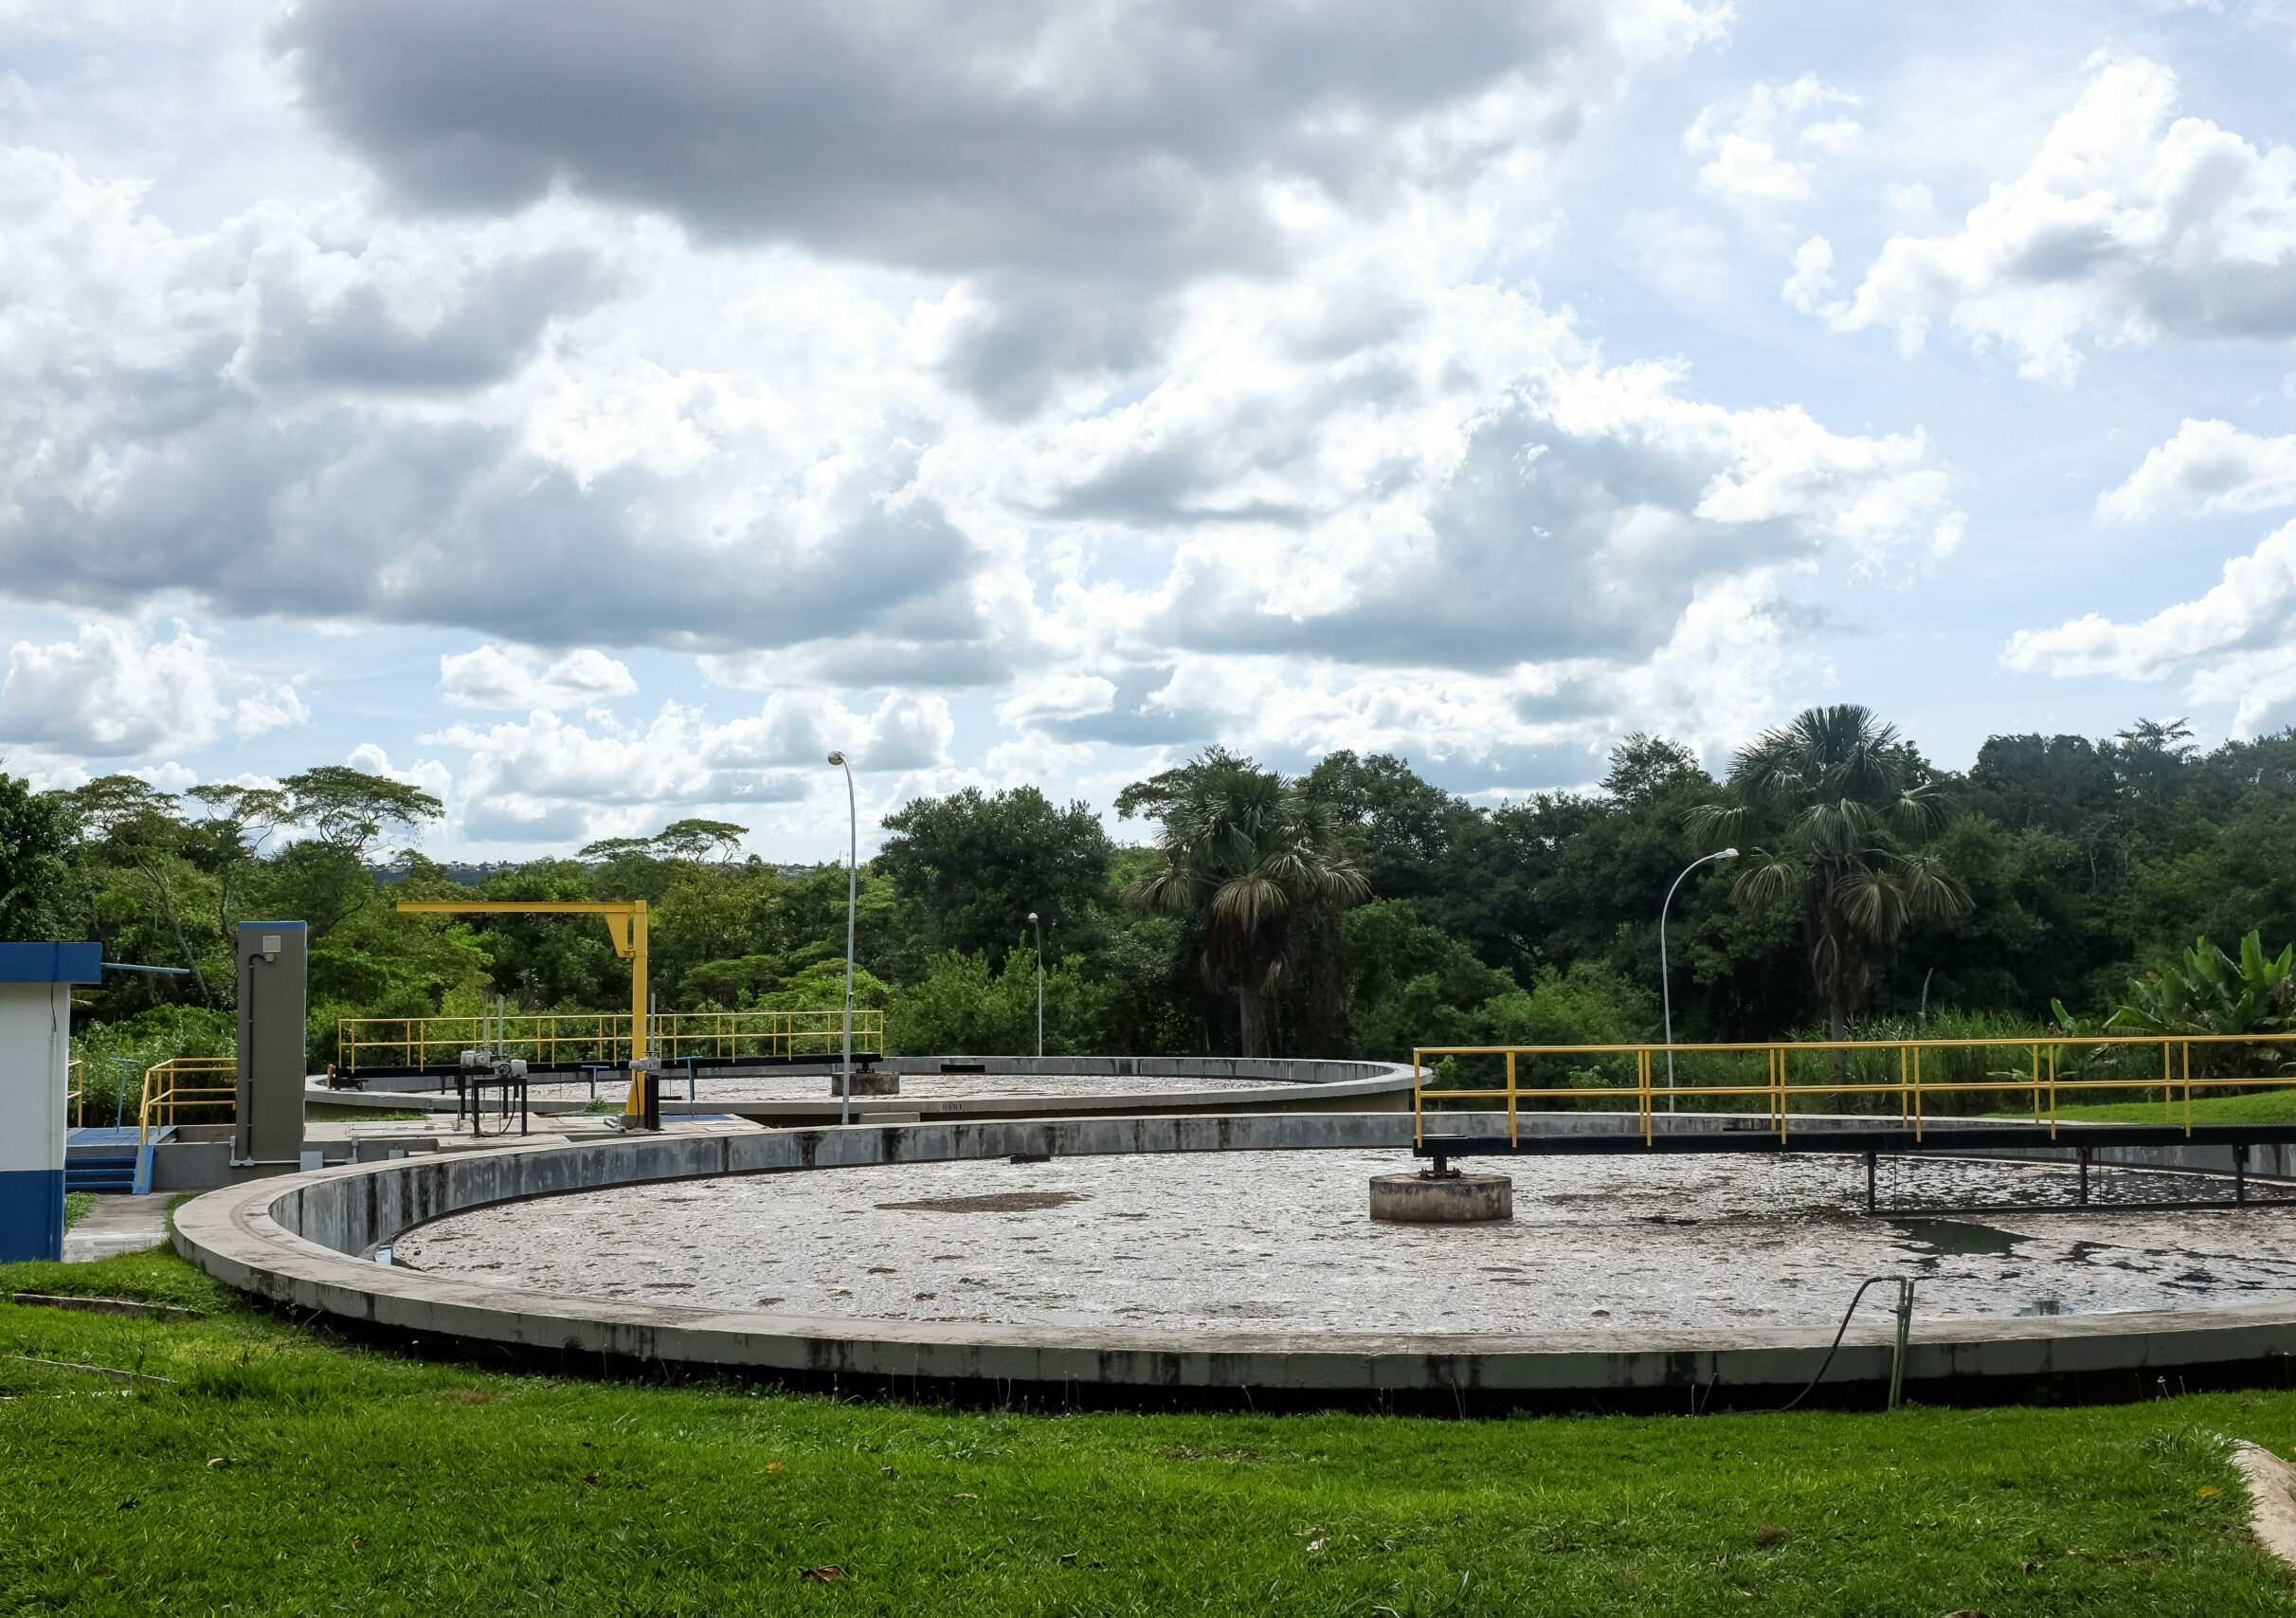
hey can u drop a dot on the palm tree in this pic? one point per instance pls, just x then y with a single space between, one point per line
1254 852
1839 805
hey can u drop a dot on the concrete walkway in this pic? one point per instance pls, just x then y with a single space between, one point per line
118 1224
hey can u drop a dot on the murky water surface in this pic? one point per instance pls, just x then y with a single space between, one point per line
1283 1241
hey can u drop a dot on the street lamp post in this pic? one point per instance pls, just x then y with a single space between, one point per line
1040 926
1666 982
853 896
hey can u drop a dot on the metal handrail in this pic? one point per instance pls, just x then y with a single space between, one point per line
73 1097
1911 1089
166 1091
554 1039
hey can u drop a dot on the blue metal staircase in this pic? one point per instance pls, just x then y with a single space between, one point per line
112 1165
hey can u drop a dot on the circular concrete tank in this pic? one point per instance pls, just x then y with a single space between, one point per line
1236 1252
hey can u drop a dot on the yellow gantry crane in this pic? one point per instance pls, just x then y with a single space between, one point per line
625 924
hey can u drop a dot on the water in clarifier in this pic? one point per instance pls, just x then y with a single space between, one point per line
1958 1237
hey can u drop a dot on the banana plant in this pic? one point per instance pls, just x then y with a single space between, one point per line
2212 993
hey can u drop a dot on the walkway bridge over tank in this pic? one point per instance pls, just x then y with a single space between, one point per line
2199 1102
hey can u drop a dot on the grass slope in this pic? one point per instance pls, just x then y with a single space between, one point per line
284 1471
2250 1106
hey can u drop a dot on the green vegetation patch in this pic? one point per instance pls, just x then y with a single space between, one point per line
280 1470
2252 1106
319 1112
77 1207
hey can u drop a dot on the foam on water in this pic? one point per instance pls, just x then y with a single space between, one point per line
1283 1241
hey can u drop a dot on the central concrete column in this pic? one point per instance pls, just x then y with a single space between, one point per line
1453 1198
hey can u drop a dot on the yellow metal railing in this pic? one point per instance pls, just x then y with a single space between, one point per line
73 1097
186 1083
574 1038
1786 1073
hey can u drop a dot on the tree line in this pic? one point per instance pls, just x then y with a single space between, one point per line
1355 909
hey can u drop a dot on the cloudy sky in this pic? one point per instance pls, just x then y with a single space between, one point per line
596 411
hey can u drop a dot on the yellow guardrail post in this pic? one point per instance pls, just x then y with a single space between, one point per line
2052 1092
1917 1092
1785 1099
1419 1109
1512 1138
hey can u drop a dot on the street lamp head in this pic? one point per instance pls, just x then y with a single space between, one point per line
1032 916
1728 854
837 758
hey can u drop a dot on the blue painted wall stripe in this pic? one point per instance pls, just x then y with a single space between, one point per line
32 1215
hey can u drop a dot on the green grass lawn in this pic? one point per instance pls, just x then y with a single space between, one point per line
77 1207
283 1470
2250 1106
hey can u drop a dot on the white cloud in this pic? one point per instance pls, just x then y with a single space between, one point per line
1813 277
110 693
383 420
908 733
1741 139
430 774
269 709
1315 464
1910 198
508 677
2208 466
1458 533
547 779
1060 696
2239 640
2128 226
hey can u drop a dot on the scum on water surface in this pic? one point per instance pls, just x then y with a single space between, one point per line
1259 1241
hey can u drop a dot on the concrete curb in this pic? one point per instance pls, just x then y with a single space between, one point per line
297 1240
2271 1485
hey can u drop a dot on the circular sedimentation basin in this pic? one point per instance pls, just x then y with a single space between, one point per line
1236 1252
1202 1243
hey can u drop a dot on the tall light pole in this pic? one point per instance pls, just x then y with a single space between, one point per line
1666 983
1032 916
853 898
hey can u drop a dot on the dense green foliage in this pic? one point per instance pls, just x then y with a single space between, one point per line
278 1469
1263 865
2088 870
1833 811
